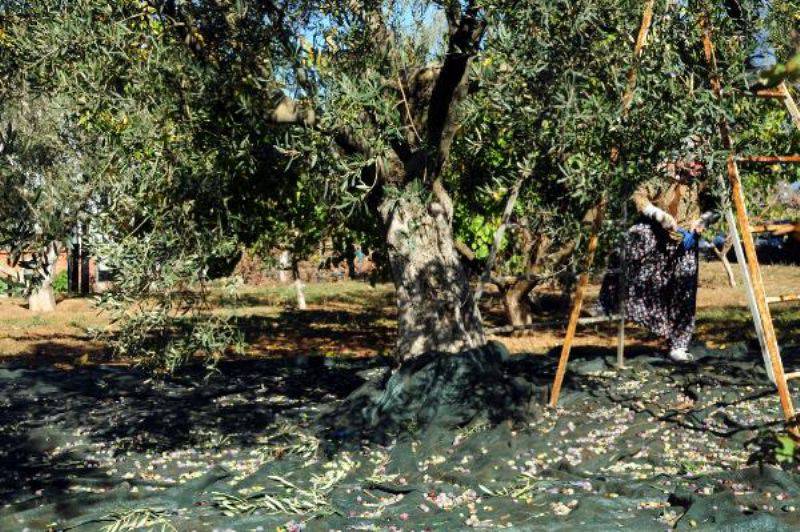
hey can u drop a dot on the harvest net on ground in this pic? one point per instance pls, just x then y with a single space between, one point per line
275 444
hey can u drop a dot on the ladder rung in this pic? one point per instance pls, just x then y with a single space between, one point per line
770 159
792 375
589 320
769 93
776 229
783 299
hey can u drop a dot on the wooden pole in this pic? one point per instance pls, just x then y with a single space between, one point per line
758 289
783 299
623 294
589 320
753 267
577 304
770 159
577 300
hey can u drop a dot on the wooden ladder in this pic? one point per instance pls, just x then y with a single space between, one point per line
782 93
751 268
744 247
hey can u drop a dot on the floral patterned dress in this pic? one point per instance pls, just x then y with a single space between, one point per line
660 287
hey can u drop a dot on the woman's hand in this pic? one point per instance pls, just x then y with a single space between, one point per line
698 226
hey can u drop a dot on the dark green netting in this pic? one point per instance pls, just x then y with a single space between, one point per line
444 444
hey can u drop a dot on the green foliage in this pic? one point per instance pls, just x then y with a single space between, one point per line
153 120
8 285
61 282
775 448
130 519
151 124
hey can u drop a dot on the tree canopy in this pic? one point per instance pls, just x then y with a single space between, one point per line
183 131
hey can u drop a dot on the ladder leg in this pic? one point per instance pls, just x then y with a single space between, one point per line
748 288
758 291
737 196
790 104
577 304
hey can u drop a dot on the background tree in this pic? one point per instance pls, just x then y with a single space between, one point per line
165 99
44 190
390 98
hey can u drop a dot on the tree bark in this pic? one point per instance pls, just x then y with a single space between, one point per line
517 306
301 296
436 307
541 258
436 311
723 257
42 297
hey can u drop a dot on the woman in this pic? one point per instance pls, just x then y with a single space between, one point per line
661 257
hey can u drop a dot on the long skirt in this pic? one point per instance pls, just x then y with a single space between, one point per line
660 284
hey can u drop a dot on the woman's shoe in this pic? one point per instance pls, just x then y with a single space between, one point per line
680 354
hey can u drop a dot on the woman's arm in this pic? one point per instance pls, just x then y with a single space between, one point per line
643 199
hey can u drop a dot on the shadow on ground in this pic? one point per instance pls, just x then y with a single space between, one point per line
65 429
321 331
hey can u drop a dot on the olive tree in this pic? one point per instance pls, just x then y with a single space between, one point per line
44 191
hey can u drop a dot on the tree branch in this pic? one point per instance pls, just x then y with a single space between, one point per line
498 235
451 86
289 112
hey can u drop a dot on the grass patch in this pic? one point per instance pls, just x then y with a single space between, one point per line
320 294
735 324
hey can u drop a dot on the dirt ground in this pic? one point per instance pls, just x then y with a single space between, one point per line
355 319
722 314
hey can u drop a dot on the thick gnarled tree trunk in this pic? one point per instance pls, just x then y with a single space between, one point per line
436 311
543 256
42 297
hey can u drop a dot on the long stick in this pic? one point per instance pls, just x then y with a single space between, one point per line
790 104
575 313
623 296
577 300
498 236
753 266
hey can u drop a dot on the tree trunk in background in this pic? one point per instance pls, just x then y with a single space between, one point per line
43 297
541 258
301 296
74 268
86 278
350 257
436 310
298 285
723 257
516 303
